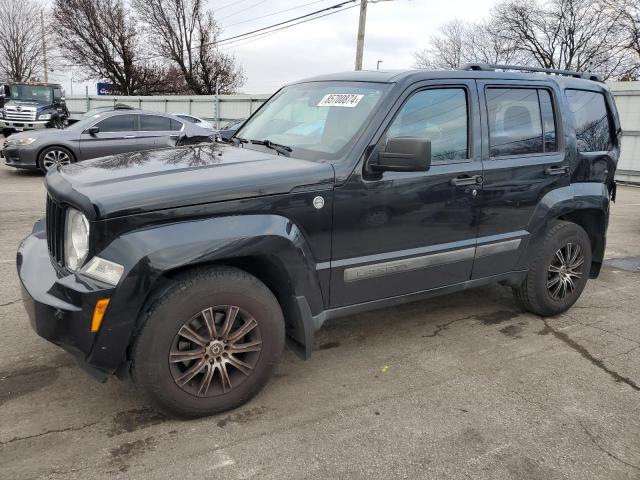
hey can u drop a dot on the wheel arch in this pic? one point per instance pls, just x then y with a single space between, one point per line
584 204
299 326
73 155
270 247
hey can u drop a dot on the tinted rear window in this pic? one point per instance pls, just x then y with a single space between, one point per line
117 123
154 123
589 109
522 121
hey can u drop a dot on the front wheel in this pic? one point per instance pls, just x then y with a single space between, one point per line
209 344
52 157
559 272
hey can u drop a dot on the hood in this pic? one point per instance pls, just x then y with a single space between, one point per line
44 133
25 103
139 182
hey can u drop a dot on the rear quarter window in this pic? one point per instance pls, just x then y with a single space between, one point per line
593 130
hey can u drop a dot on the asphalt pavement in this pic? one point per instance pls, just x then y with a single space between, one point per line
466 386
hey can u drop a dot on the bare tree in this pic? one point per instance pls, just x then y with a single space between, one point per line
21 40
100 36
459 42
567 34
185 33
631 25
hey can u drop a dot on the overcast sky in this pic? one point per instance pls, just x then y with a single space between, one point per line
395 29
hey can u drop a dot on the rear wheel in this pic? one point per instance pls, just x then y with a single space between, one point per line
210 343
559 272
52 157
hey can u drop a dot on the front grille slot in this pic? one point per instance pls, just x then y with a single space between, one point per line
23 116
55 230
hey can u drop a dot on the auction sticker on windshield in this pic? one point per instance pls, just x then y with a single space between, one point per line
340 100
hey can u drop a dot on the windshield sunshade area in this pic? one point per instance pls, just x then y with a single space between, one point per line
31 93
316 120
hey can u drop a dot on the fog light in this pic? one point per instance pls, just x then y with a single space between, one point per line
103 270
98 314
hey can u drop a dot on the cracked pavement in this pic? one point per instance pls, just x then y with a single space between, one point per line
463 386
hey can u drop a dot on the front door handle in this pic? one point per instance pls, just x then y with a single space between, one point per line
463 180
557 170
129 136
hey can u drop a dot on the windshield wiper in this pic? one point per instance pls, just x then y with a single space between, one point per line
237 140
281 149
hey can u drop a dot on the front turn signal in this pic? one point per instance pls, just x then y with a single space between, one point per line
98 314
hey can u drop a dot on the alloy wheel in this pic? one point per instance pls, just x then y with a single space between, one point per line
215 351
565 271
54 158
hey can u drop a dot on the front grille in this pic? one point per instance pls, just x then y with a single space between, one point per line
55 230
12 114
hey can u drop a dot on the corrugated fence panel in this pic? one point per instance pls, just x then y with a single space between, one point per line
627 95
204 106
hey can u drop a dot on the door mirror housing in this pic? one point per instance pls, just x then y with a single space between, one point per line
403 154
93 130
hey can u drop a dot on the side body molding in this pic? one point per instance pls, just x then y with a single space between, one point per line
149 254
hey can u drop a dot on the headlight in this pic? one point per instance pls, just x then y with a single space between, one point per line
44 116
76 239
103 270
21 141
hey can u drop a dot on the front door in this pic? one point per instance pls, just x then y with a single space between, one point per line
406 232
117 134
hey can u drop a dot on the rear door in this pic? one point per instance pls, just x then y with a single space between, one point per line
524 157
157 131
116 135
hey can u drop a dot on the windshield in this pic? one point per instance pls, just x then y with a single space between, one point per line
32 93
317 120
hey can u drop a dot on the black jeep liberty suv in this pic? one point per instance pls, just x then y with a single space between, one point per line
186 268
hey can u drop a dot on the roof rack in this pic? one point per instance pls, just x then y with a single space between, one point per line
485 67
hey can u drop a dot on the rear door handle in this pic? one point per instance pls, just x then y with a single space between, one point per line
129 136
174 136
463 180
557 170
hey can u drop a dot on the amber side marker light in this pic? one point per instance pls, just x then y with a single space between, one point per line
98 313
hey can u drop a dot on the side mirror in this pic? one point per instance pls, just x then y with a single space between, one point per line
403 154
93 130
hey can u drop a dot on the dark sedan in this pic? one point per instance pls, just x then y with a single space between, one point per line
105 133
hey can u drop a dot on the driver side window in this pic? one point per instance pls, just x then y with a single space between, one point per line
439 115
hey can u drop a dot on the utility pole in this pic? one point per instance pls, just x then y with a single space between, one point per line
44 48
361 25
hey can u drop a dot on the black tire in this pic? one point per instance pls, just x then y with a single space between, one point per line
56 154
187 299
537 293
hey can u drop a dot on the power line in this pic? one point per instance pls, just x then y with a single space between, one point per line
247 34
274 13
231 4
243 10
265 34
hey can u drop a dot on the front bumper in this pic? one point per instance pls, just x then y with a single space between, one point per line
19 125
60 305
20 157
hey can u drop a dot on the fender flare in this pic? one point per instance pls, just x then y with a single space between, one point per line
151 254
563 203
